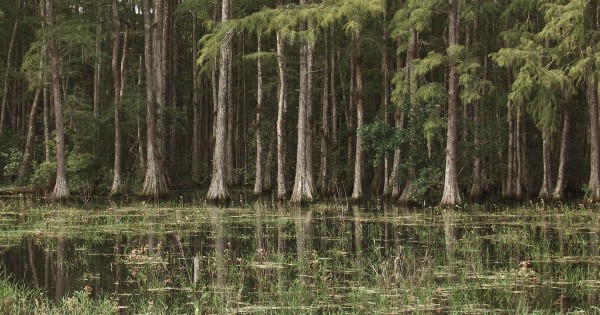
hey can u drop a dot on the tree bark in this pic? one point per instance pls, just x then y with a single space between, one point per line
592 99
154 181
451 194
476 186
8 65
258 178
60 188
562 160
546 189
411 55
386 96
281 106
357 193
322 181
229 144
309 115
302 187
97 70
195 104
267 182
28 152
218 187
46 102
116 185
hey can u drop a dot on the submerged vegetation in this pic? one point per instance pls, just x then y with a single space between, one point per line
264 259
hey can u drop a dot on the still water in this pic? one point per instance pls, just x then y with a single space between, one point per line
326 258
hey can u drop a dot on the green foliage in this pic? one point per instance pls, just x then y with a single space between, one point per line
474 86
427 64
380 138
432 129
43 175
414 15
199 8
11 161
428 185
81 171
351 13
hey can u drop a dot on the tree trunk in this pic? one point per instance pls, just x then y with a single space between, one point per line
451 195
477 185
519 157
359 102
411 54
349 114
547 167
509 192
302 187
334 115
386 96
195 104
592 99
20 181
8 65
281 106
267 182
309 115
218 187
258 178
322 181
116 185
46 102
154 181
97 70
562 160
60 188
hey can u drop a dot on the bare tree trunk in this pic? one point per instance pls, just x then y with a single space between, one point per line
349 114
29 143
8 65
302 187
386 97
162 54
309 116
154 181
547 168
562 160
229 156
519 157
281 106
61 189
592 99
477 186
509 192
322 181
334 115
267 183
218 187
451 195
411 54
97 70
116 185
195 104
46 102
359 102
258 181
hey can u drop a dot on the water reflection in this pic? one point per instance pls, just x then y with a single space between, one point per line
326 258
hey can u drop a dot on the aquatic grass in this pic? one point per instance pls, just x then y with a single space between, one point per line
334 260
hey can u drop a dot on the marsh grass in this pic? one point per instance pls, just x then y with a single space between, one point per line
332 259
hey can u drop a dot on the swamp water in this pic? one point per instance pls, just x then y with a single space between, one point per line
322 259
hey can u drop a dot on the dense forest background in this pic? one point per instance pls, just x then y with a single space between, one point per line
415 100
